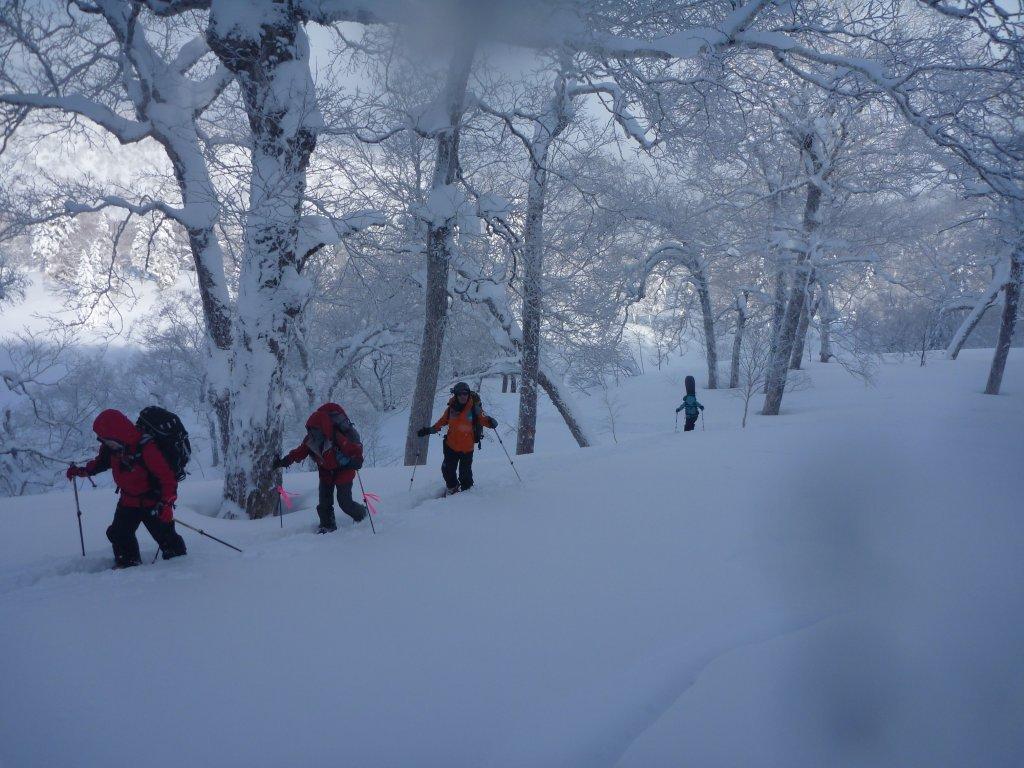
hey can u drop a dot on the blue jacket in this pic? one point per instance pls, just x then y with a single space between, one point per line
691 405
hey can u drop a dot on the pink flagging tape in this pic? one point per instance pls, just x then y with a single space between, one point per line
285 496
372 499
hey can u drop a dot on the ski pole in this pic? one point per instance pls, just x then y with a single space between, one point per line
502 442
702 421
204 533
415 463
676 428
366 503
78 509
280 509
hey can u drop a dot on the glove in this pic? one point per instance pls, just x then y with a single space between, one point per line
74 471
679 409
425 431
494 422
280 462
166 513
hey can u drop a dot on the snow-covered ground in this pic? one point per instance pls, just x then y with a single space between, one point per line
842 585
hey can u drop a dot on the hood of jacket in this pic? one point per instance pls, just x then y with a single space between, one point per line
321 420
114 425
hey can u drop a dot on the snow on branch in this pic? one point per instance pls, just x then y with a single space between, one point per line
140 209
672 252
124 130
316 231
619 109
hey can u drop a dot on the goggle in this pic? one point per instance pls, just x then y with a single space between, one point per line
113 445
460 392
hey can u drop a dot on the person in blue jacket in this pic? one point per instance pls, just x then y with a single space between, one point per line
690 405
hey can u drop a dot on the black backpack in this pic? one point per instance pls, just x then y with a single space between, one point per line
166 430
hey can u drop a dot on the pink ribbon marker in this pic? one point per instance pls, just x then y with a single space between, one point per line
285 496
372 499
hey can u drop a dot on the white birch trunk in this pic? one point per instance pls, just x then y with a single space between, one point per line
1011 304
798 294
986 300
737 340
272 69
700 280
826 316
533 274
809 308
440 231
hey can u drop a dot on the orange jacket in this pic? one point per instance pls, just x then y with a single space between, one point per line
460 435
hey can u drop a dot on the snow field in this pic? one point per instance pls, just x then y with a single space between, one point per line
839 586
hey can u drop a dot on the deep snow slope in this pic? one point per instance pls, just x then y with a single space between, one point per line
842 585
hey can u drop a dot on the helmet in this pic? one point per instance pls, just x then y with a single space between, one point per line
462 388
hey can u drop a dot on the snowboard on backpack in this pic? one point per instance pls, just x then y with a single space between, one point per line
170 436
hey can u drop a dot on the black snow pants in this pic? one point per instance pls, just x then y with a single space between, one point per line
121 534
690 421
457 461
325 509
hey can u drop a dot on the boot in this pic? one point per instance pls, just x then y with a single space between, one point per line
327 523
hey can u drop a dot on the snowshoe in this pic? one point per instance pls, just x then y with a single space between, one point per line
450 491
327 528
125 564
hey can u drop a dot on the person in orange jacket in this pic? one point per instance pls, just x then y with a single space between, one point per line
335 446
465 419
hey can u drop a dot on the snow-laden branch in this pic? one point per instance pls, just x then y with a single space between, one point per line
316 231
140 209
674 253
126 131
619 109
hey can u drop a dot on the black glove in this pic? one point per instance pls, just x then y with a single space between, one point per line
494 422
425 431
279 463
679 409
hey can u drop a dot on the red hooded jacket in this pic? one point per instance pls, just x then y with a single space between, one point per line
338 461
140 471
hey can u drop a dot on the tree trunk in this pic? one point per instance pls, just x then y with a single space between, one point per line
533 275
181 143
711 348
773 256
825 320
974 317
737 340
440 230
564 408
798 294
267 63
1011 303
801 329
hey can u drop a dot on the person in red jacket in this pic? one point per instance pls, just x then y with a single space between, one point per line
334 446
146 484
